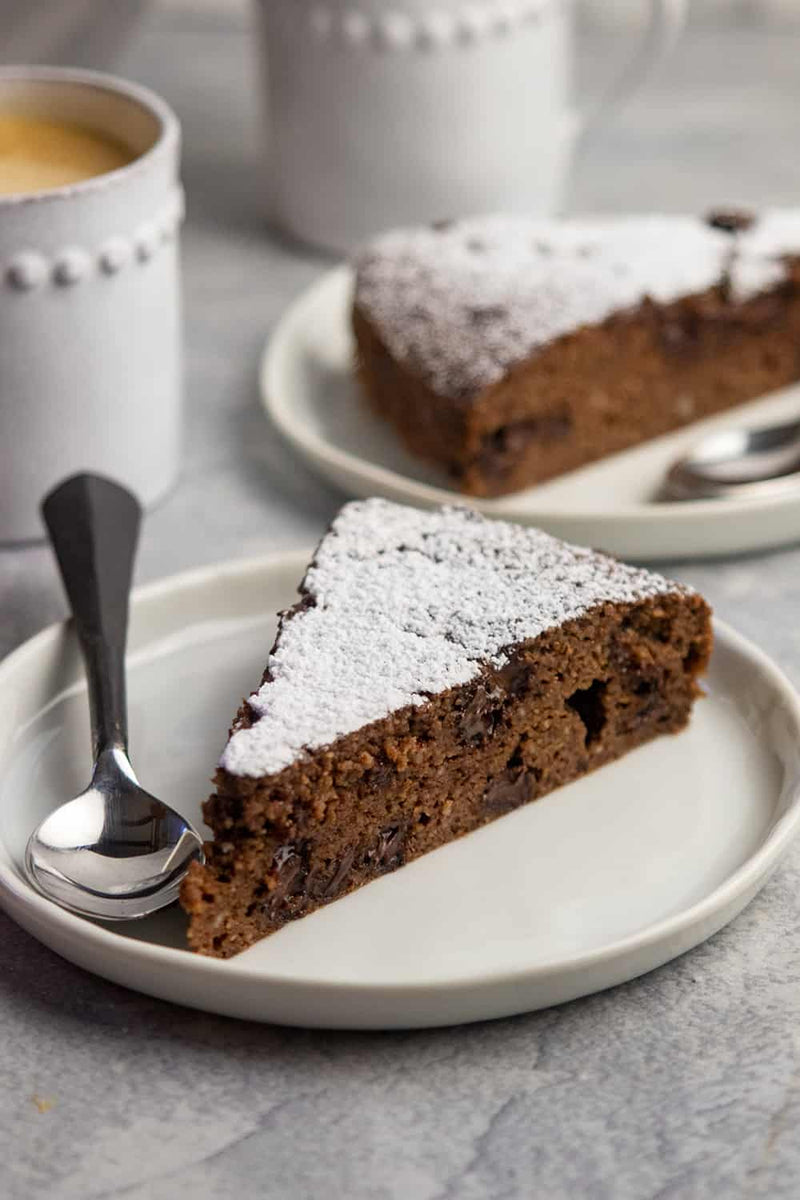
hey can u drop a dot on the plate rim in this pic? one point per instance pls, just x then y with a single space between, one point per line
16 895
310 444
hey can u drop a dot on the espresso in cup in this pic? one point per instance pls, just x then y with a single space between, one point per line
90 363
37 153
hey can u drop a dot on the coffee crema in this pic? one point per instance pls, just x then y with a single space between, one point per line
38 153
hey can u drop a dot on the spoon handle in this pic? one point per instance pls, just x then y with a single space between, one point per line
93 525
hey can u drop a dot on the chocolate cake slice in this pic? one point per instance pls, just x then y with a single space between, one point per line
439 670
509 351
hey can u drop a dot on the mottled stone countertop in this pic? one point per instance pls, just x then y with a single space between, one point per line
684 1084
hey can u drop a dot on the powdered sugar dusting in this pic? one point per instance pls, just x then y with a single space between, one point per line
776 232
758 262
463 303
405 603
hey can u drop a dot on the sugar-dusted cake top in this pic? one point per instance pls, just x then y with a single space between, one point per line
401 604
461 303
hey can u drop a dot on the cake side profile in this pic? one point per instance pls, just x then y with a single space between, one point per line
438 671
509 351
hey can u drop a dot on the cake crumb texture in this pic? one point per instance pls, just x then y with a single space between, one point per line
438 671
400 604
509 351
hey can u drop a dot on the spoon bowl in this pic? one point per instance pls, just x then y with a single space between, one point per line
738 462
114 850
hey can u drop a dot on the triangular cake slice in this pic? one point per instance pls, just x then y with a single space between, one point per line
510 350
439 670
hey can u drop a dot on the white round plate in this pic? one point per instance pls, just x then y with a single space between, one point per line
588 887
309 391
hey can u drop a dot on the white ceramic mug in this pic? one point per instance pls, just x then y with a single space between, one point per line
392 112
90 338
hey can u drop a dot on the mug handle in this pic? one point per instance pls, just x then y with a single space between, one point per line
665 24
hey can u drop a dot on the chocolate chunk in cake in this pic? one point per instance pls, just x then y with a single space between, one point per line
731 220
509 350
440 670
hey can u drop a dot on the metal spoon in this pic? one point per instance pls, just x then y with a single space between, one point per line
738 462
114 852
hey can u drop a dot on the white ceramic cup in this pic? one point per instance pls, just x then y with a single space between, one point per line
393 112
90 336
